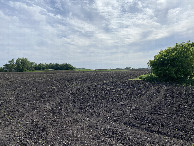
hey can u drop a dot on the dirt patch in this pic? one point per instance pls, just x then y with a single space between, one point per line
93 108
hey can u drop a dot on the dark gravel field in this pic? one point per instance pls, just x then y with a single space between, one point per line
93 108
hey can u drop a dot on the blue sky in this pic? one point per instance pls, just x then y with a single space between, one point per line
93 33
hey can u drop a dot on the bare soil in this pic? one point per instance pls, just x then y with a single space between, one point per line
93 108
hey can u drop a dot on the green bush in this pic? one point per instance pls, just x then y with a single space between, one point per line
149 77
174 63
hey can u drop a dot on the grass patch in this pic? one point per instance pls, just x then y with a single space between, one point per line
103 70
150 77
153 78
36 71
135 79
83 69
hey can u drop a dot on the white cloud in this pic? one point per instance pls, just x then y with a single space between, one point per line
92 31
167 3
32 12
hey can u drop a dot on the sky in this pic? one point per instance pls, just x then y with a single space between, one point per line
95 34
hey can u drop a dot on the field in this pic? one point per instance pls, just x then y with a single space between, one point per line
93 108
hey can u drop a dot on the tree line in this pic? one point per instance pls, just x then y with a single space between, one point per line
23 65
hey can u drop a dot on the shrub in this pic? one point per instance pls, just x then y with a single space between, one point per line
174 63
149 77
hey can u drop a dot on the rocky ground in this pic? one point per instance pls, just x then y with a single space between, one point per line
93 108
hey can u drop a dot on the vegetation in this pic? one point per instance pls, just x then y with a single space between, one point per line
83 69
174 64
1 69
154 78
23 65
54 66
150 77
135 79
128 68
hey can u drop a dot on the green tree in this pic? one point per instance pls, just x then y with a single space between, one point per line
174 63
22 65
41 66
10 67
127 68
66 66
2 69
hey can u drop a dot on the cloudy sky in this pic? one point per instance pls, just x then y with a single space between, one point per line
93 33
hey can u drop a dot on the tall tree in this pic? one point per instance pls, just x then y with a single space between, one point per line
22 64
10 67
